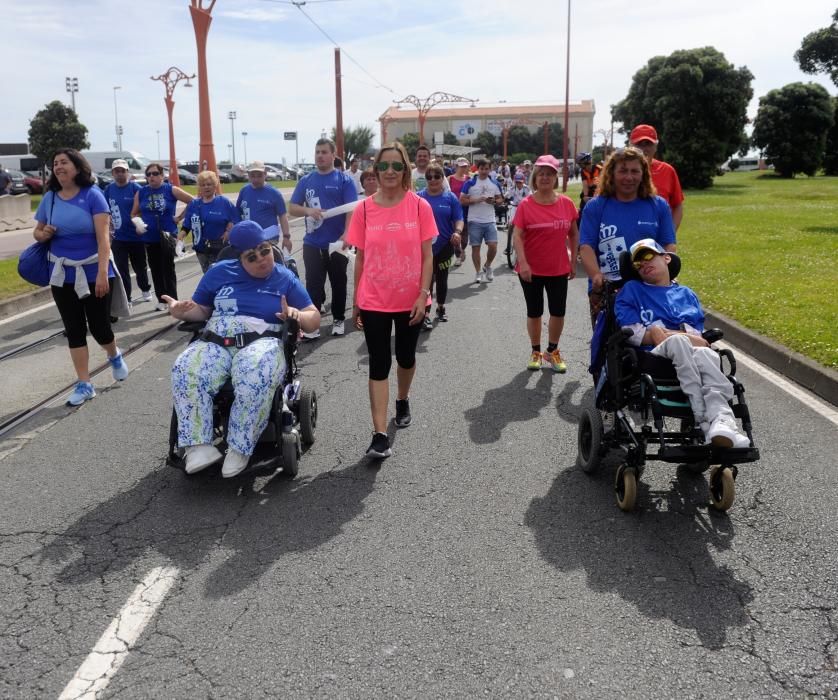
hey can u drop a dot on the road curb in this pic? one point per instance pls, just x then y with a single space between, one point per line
818 379
23 302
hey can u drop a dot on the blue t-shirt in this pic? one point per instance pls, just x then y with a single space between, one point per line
157 205
447 211
262 205
231 291
651 305
208 220
75 235
121 201
320 191
610 226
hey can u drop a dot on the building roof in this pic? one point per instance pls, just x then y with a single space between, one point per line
397 113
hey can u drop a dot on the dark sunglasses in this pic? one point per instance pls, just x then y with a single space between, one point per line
153 172
382 166
432 177
261 252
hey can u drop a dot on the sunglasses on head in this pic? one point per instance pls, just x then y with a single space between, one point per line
643 257
382 166
260 252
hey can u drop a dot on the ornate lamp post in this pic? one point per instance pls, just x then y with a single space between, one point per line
426 105
170 79
201 20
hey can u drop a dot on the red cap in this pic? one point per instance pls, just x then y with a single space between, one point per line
643 132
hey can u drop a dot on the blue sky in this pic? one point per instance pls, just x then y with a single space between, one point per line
276 70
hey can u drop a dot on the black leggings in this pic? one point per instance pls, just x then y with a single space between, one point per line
442 261
377 326
79 314
161 260
556 288
319 264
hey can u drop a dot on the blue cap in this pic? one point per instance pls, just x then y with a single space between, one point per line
246 235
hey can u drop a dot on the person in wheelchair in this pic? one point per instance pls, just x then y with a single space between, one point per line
241 299
666 319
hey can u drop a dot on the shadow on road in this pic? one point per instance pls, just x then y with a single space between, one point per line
659 559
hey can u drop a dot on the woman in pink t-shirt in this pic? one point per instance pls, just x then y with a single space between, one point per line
545 237
393 231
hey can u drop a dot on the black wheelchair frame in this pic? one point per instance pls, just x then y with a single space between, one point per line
632 380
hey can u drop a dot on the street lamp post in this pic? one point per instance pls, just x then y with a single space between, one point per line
232 117
244 142
158 144
72 85
170 79
117 130
201 20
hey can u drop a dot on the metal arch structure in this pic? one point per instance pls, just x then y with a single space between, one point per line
170 79
423 106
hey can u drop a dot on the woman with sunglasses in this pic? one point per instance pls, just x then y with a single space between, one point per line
156 203
241 300
448 214
625 210
545 238
392 231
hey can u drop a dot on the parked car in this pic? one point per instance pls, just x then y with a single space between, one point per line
186 177
18 185
103 178
34 183
224 176
274 173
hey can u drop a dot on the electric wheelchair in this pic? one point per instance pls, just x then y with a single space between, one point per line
628 379
293 418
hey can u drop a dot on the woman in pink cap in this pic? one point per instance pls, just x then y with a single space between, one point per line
545 237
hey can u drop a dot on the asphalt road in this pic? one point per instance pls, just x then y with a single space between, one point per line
477 561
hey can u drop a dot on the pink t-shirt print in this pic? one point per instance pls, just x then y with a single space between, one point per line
391 238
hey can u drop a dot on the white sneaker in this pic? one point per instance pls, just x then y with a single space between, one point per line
234 463
337 328
479 278
487 271
724 432
314 335
162 307
147 295
200 457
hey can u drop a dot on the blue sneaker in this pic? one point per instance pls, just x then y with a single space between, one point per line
118 366
84 391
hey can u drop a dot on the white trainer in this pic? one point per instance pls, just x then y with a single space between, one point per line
234 463
314 335
147 295
200 457
487 271
724 432
479 278
337 328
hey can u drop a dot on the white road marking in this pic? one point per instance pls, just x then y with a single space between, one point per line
113 646
807 399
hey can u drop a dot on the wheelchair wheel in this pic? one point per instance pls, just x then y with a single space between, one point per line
722 488
308 415
290 455
175 456
589 450
511 255
625 486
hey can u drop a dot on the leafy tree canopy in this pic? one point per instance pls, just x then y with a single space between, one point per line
56 126
356 141
818 52
791 127
830 159
697 101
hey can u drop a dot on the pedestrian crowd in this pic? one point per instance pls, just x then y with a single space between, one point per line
404 224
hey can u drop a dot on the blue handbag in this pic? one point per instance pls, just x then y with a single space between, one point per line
33 264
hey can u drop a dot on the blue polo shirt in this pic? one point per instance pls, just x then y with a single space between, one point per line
208 220
263 205
121 201
328 191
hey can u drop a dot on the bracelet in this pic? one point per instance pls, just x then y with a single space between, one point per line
286 235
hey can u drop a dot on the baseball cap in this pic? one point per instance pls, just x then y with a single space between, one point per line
548 161
119 163
642 246
527 162
246 235
519 177
643 132
256 165
462 161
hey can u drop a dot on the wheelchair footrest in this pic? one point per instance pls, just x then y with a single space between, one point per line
734 455
684 454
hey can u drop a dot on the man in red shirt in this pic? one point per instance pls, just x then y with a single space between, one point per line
664 176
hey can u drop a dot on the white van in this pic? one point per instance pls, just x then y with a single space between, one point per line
103 160
27 162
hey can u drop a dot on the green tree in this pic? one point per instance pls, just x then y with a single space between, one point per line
697 101
520 140
356 141
733 163
56 126
486 142
791 127
520 157
830 160
411 142
818 52
555 140
449 138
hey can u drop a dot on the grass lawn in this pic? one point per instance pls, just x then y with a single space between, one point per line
11 283
763 251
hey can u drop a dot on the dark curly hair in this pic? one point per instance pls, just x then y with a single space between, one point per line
84 176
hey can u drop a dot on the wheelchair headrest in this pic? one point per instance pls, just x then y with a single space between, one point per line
627 271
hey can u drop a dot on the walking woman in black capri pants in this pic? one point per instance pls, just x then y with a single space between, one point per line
392 231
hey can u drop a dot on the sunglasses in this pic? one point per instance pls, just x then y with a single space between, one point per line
261 252
382 166
428 176
642 258
153 173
